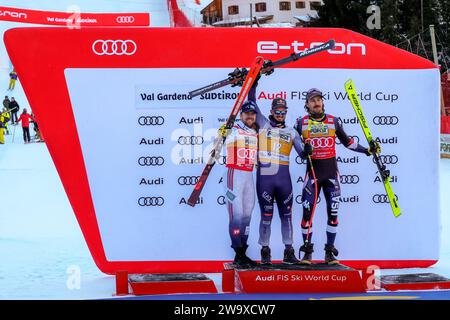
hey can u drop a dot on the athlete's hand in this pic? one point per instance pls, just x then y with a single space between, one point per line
223 131
308 149
373 148
268 64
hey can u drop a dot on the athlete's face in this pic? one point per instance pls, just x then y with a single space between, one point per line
279 113
249 118
315 105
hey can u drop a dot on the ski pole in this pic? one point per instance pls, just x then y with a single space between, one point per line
14 133
237 77
313 173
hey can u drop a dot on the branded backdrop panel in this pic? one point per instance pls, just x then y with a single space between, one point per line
129 141
74 19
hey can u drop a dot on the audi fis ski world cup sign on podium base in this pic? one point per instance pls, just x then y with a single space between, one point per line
128 178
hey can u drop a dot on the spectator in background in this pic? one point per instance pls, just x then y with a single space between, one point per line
2 127
14 108
37 132
6 102
25 118
12 80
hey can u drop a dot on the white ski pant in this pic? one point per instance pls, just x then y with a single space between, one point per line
240 200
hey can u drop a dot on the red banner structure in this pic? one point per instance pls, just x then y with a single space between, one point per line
75 18
170 237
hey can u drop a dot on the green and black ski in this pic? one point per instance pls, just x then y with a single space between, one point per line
384 173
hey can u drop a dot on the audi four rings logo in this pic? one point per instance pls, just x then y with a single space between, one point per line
298 199
151 201
381 198
151 161
114 47
349 179
385 120
221 200
188 181
355 138
300 160
243 153
125 19
151 121
322 142
190 140
388 159
222 160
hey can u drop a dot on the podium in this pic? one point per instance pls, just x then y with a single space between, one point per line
417 281
281 278
149 284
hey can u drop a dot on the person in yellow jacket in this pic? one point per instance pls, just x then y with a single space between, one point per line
6 117
12 80
2 127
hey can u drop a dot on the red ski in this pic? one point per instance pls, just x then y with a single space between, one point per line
248 83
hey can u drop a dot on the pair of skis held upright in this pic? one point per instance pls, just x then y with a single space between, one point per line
246 79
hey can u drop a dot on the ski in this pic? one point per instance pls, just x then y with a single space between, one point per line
250 78
384 173
236 78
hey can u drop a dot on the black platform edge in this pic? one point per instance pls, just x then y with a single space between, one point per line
413 278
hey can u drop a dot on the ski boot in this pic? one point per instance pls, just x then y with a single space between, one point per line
241 260
289 256
308 249
330 253
265 256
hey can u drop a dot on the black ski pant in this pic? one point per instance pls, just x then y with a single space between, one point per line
14 117
26 134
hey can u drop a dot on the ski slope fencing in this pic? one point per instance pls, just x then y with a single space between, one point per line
132 141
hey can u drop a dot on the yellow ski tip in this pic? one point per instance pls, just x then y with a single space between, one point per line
348 84
397 214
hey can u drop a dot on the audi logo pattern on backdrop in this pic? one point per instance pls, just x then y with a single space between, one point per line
381 198
349 179
114 47
151 120
385 120
388 159
151 161
151 201
190 140
188 180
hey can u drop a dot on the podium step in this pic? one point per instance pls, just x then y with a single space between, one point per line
149 284
281 278
418 281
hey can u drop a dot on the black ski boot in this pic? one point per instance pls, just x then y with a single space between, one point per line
308 249
289 256
265 256
241 260
330 253
250 262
